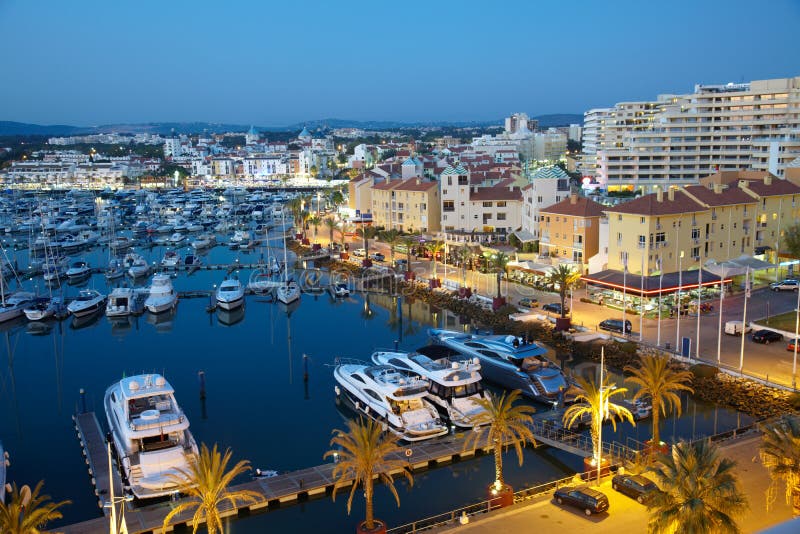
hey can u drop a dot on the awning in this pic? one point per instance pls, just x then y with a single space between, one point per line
668 283
527 265
524 236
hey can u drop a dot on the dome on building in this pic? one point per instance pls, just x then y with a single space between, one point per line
304 134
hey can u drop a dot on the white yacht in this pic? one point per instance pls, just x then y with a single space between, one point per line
230 294
45 307
150 433
79 270
389 396
204 241
161 296
123 301
138 266
177 237
172 258
289 291
88 302
455 379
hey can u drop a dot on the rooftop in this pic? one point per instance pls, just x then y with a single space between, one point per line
576 206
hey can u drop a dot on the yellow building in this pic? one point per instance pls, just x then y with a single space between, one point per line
570 229
411 205
688 226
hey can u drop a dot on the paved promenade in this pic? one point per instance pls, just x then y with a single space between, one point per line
625 514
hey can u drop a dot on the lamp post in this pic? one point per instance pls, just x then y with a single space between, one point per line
796 332
660 281
624 287
744 315
719 326
679 306
699 306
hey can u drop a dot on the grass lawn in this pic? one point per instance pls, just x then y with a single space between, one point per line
785 321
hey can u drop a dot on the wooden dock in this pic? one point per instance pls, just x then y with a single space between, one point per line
284 489
93 443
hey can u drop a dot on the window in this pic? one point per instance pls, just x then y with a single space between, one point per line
695 233
501 204
487 204
448 205
696 252
661 237
501 216
641 220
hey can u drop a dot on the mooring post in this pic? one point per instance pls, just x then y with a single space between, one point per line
396 344
305 367
201 377
83 400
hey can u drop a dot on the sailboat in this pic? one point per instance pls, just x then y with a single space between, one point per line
289 291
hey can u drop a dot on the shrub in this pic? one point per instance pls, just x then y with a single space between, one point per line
702 370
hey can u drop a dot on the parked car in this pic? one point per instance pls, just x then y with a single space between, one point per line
377 256
636 486
790 346
735 328
528 302
555 307
401 264
589 500
785 285
766 336
615 325
360 252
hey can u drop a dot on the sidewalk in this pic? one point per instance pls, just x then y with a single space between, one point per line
625 514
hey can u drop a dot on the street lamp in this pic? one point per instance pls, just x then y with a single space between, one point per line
679 306
660 281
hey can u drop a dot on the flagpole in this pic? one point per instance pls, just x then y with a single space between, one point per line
641 303
113 519
744 316
660 279
699 310
624 287
719 326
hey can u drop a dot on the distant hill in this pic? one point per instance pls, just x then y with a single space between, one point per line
166 128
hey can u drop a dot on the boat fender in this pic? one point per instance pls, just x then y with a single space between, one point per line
409 452
337 390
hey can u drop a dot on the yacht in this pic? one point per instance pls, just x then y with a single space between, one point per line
455 379
192 261
339 290
177 237
230 294
115 269
123 301
512 363
13 305
204 241
78 270
161 296
137 266
4 463
150 434
391 397
172 258
289 291
88 302
45 307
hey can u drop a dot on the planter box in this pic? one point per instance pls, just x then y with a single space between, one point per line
344 255
410 275
433 283
498 302
563 323
380 528
316 246
306 241
366 262
501 498
590 470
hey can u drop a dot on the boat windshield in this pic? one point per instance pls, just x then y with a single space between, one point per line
448 392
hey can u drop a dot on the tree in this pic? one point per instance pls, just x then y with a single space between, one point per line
780 454
564 277
392 238
698 492
337 198
330 224
661 384
499 263
594 402
791 240
23 515
365 452
344 228
313 171
504 422
305 215
366 233
435 247
464 254
315 222
205 483
409 241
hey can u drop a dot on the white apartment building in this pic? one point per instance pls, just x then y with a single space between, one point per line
172 147
491 207
549 146
678 139
574 132
548 186
259 167
520 122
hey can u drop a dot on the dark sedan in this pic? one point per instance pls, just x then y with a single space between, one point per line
555 307
589 500
636 486
766 336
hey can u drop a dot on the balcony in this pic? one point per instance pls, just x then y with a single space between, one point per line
577 245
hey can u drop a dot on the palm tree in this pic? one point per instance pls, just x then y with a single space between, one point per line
506 423
435 247
409 241
464 254
344 227
594 402
315 222
392 238
661 384
365 451
499 263
698 491
305 216
27 515
780 454
366 233
330 224
565 277
205 483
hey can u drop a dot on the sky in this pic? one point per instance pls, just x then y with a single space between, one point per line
269 63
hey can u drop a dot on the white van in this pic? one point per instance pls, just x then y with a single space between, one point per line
735 328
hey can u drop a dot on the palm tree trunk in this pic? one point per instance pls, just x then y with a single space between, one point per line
796 501
499 277
369 522
498 462
595 432
563 295
655 407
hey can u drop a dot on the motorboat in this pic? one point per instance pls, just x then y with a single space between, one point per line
339 290
177 237
240 237
390 397
124 301
204 241
79 270
455 379
513 363
191 261
13 305
230 294
87 303
161 296
150 434
4 464
171 259
230 317
115 269
55 269
138 266
45 307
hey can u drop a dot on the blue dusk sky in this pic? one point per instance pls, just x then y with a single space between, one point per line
87 62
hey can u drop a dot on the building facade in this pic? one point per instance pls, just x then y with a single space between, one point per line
570 230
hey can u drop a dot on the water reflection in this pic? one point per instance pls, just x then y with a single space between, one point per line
230 317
